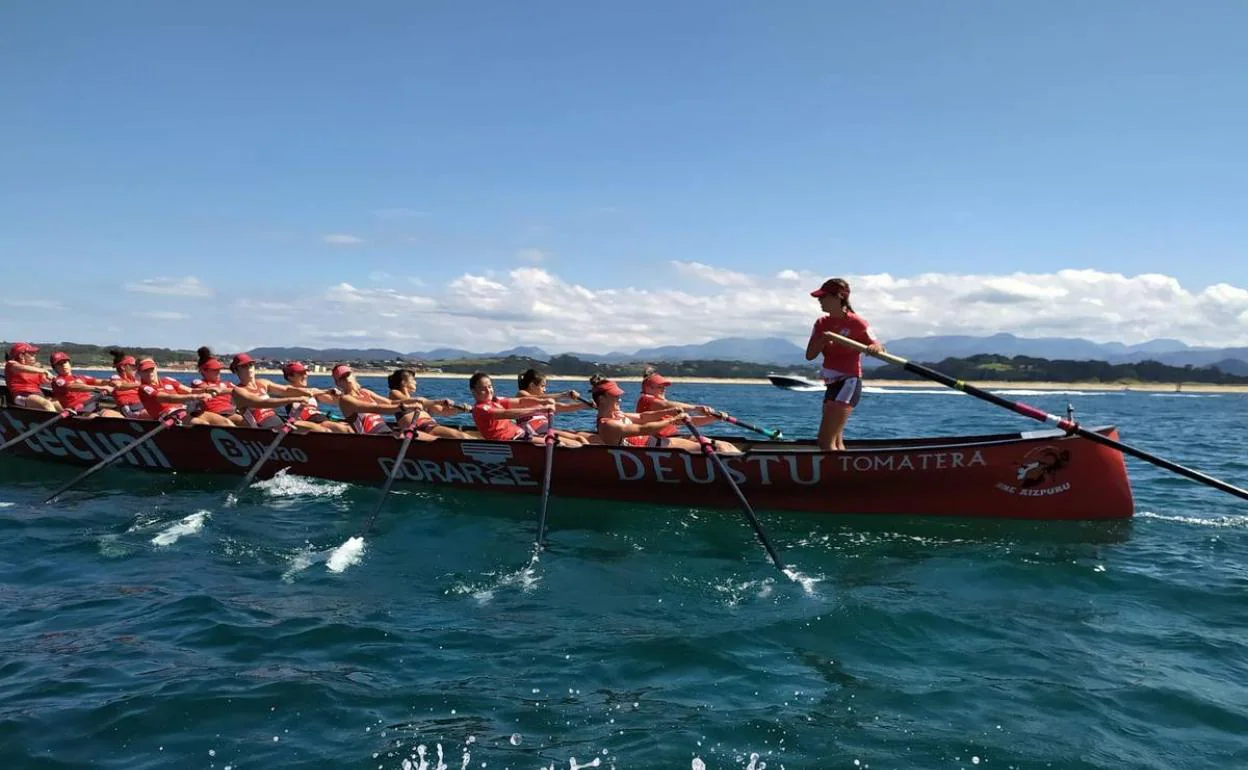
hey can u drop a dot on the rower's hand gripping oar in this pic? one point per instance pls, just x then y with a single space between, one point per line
1068 425
165 424
725 417
282 432
708 449
551 440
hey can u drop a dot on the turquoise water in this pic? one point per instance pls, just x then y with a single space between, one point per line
145 625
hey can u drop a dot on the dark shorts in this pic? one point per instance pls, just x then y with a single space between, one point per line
844 390
133 411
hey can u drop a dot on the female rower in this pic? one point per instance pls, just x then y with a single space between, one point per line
74 391
842 365
164 397
654 398
364 408
26 378
258 399
402 384
126 386
532 384
296 375
641 429
496 417
222 402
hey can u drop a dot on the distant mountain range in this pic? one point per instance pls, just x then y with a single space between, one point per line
782 352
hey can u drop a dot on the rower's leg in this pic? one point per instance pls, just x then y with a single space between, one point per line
309 427
832 427
35 401
336 427
446 431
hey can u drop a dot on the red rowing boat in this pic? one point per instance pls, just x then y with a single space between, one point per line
1045 474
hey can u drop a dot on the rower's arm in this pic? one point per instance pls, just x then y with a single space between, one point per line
245 399
511 414
354 404
815 345
82 386
645 428
26 368
658 414
532 401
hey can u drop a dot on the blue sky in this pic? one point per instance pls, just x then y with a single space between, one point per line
274 154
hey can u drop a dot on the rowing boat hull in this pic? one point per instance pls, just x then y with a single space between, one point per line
1035 475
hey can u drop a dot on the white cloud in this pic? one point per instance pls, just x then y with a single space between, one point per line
189 286
532 255
715 275
160 315
341 239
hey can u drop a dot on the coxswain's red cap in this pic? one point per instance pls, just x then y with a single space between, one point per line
19 348
340 371
58 357
294 367
609 388
242 359
654 382
832 286
146 364
126 361
211 364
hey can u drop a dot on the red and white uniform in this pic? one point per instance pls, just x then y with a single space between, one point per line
839 360
72 399
258 417
223 402
497 428
308 411
368 422
22 383
648 402
637 441
149 397
127 400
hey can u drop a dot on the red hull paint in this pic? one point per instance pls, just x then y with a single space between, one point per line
1037 475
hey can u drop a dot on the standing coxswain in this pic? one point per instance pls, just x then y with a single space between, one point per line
842 365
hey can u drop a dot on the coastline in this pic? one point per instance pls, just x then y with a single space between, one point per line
1100 387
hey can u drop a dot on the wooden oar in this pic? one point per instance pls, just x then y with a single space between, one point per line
19 438
394 474
166 423
708 449
1068 425
551 440
768 432
282 433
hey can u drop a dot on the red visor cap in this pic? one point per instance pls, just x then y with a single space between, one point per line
58 357
242 359
126 361
19 348
654 382
340 371
211 364
146 364
831 286
609 388
294 367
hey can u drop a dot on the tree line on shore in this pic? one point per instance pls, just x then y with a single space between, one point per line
977 367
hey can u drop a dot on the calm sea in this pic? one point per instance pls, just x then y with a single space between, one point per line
145 625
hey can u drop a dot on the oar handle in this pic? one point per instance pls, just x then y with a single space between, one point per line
769 433
1026 410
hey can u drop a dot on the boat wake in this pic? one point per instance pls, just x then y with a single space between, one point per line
1235 522
876 389
346 555
526 578
1029 392
188 525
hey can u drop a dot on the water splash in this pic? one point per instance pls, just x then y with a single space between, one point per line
188 525
283 485
299 561
346 555
807 583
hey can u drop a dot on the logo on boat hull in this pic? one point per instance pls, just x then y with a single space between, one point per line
1038 473
244 453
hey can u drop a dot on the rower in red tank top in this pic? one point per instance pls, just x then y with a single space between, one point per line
296 376
495 417
532 384
654 398
165 398
126 386
365 409
621 428
78 393
402 384
260 399
222 401
25 378
842 365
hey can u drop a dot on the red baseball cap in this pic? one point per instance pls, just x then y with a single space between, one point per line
609 388
832 286
126 361
340 371
294 367
146 364
58 357
19 348
210 364
242 359
655 381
